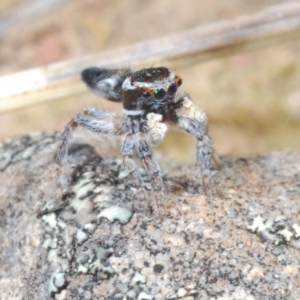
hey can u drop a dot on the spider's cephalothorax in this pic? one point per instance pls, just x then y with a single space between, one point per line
150 101
151 90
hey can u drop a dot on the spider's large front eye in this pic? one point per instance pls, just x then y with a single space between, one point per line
159 94
172 89
146 95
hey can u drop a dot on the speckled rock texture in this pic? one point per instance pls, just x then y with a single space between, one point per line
100 242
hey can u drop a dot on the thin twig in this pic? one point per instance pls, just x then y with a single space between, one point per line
268 27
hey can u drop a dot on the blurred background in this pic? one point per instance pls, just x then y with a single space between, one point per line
252 99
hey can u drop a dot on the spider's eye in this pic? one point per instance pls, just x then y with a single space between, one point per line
146 95
172 89
159 94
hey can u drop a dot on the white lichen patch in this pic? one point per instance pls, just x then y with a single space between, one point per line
29 152
69 233
84 188
172 297
296 228
182 293
259 224
139 278
57 281
81 237
80 205
278 230
53 243
82 269
145 296
286 234
50 220
6 158
102 200
90 227
123 174
98 266
116 213
46 243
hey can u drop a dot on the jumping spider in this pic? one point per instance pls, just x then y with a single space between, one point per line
149 102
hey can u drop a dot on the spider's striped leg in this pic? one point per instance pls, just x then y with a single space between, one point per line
152 167
127 148
93 119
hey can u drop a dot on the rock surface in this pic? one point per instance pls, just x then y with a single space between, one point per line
100 243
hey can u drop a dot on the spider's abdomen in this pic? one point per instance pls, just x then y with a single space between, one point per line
106 83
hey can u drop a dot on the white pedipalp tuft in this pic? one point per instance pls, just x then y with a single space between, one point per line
157 129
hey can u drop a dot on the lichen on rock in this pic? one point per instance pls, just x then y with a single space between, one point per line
99 244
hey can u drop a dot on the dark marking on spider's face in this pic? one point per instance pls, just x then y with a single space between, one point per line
150 89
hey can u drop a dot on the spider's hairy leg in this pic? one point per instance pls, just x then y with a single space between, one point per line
61 157
193 120
153 168
93 119
127 148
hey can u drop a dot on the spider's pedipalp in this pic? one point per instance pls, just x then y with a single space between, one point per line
156 129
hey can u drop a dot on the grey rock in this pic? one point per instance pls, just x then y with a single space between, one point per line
98 243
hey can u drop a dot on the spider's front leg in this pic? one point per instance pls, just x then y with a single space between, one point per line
95 120
153 168
153 132
193 120
127 148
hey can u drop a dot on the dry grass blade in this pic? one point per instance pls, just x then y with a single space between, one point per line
268 27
